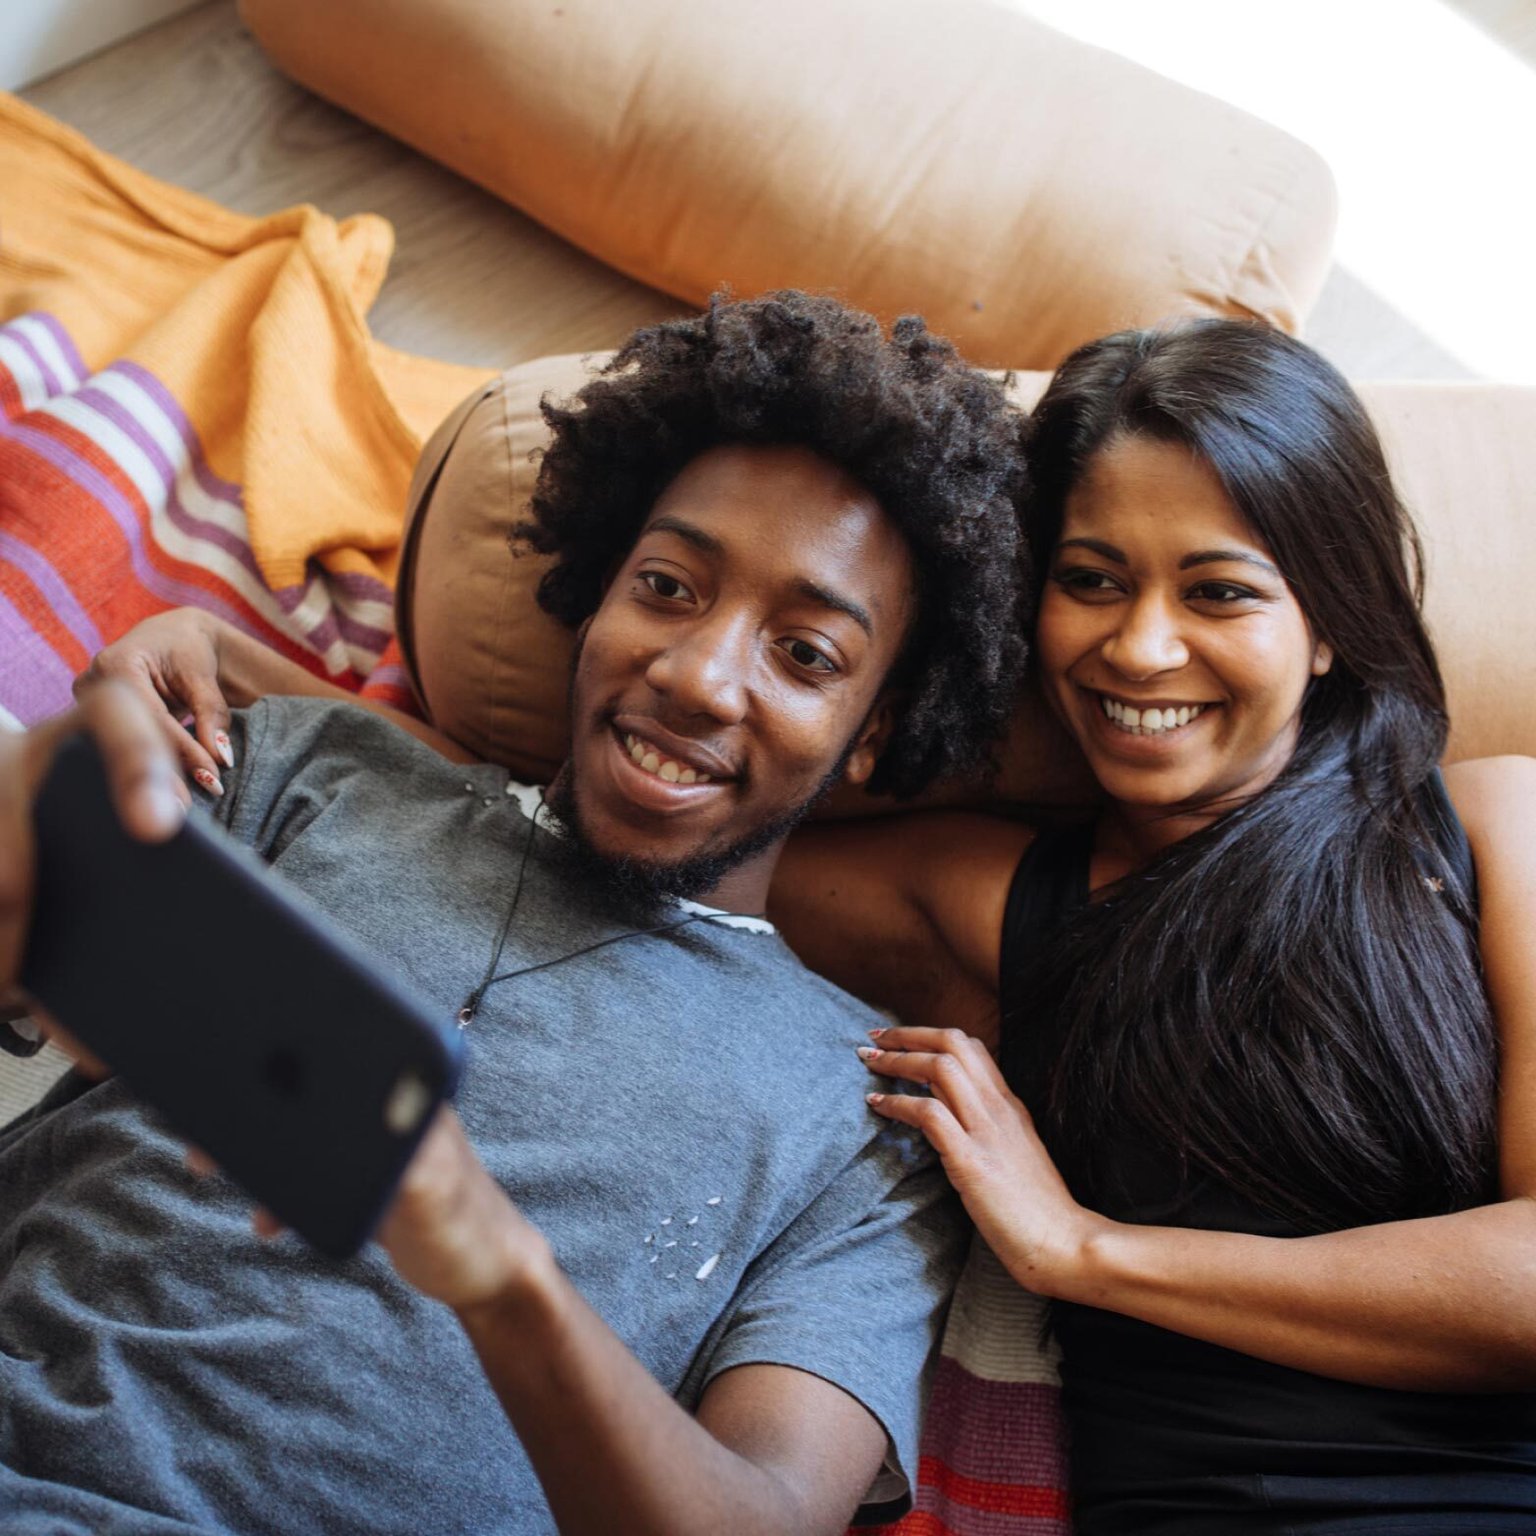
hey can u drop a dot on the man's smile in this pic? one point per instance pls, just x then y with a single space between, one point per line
655 779
674 758
646 754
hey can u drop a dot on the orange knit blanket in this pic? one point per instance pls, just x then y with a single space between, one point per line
192 411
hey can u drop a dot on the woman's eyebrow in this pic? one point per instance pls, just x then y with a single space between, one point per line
1216 556
1098 546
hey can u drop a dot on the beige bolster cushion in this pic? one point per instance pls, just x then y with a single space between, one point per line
490 666
1023 191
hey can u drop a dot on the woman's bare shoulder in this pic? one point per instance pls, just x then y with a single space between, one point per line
1495 797
931 885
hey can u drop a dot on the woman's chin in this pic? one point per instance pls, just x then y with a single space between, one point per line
1149 790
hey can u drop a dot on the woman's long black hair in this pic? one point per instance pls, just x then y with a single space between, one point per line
1283 1001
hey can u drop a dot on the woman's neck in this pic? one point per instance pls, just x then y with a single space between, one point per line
1129 837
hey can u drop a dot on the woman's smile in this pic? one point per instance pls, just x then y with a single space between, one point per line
1163 718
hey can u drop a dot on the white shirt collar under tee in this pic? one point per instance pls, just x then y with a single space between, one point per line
530 801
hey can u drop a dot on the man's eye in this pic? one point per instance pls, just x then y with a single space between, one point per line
804 654
663 585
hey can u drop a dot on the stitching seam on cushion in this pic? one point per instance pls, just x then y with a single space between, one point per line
493 699
1260 241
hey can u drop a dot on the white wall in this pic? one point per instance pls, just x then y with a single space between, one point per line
38 37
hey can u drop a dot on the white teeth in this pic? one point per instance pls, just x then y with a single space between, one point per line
1149 722
663 767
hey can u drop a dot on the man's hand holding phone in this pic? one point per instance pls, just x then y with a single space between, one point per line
317 1080
147 793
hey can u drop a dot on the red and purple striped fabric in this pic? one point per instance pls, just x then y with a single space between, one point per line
109 513
992 1457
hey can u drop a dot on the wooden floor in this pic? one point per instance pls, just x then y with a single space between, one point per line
196 102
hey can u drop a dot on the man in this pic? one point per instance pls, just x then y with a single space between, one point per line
689 1282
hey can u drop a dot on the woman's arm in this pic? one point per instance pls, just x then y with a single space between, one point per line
187 662
1447 1302
904 911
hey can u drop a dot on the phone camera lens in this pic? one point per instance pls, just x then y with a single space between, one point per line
407 1103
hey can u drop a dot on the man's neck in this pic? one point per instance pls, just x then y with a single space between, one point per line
745 888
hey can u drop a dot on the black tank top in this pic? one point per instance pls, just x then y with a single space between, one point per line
1169 1434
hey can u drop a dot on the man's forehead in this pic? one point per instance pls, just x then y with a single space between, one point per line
789 517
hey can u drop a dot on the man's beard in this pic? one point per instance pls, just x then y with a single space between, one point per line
648 883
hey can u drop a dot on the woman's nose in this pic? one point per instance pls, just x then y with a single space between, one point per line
1147 641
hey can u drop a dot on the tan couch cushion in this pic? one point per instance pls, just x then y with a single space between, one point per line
491 668
1463 457
1023 191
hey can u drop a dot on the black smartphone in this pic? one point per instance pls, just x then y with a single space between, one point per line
258 1030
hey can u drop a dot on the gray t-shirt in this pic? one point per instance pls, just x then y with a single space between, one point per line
682 1116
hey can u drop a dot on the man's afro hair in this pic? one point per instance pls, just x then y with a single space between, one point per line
933 440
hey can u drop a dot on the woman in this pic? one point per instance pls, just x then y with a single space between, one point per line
1267 1134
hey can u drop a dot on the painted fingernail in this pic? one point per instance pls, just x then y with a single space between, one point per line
227 752
875 1034
874 1098
867 1053
209 780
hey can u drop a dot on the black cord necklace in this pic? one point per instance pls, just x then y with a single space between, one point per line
471 1006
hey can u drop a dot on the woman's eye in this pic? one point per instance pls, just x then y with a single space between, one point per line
1222 592
804 654
663 585
1087 583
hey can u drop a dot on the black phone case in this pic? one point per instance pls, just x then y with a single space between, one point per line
262 1034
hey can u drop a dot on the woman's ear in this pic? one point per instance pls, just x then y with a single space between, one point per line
871 740
1322 658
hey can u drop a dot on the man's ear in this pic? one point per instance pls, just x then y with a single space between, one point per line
872 737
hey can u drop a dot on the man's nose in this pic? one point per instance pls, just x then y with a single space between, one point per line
705 667
1148 640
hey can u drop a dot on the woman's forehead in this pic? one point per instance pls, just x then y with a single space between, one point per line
1155 493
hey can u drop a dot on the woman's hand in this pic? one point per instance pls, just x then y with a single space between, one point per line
990 1149
171 661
